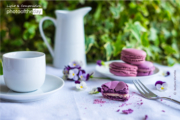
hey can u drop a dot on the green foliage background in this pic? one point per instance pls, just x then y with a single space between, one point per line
109 27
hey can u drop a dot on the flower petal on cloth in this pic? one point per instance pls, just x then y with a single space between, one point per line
161 86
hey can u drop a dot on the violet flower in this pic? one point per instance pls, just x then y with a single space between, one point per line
94 91
82 75
73 74
66 70
166 73
89 76
99 89
81 86
161 86
76 64
100 63
73 71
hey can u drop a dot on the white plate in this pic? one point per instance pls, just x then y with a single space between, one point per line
105 71
51 85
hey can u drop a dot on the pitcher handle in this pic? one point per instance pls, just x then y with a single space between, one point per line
42 33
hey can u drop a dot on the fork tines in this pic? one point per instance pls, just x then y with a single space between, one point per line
143 89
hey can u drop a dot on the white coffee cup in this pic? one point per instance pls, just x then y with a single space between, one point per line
24 71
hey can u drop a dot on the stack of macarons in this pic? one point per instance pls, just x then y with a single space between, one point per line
135 64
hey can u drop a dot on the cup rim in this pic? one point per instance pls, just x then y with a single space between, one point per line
7 55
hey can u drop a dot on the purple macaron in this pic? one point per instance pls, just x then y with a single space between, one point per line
123 69
133 56
115 90
145 69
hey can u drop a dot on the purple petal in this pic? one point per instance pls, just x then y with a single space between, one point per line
80 73
127 111
83 71
146 117
99 62
77 82
87 77
78 67
159 82
99 89
68 68
168 73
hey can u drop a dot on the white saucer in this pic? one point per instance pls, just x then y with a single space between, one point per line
105 71
51 85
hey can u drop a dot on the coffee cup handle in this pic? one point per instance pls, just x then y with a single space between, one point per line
42 33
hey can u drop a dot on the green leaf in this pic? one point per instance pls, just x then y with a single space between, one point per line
140 27
109 50
108 24
117 46
89 41
171 61
136 30
167 34
30 31
15 30
115 10
82 1
98 12
169 50
153 34
175 46
144 40
17 42
43 3
132 5
38 18
105 38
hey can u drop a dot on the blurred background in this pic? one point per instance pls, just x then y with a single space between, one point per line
110 26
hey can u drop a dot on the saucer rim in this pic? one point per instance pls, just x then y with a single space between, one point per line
30 95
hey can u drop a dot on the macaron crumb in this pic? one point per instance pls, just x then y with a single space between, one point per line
127 111
118 110
146 117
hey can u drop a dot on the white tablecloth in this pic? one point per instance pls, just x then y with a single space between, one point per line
70 104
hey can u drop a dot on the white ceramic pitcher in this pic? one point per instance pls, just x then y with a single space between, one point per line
69 36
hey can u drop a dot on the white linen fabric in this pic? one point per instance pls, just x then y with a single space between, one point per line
71 104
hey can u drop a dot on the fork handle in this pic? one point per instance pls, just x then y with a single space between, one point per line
166 98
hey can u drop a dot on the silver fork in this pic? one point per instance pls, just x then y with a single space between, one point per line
145 92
